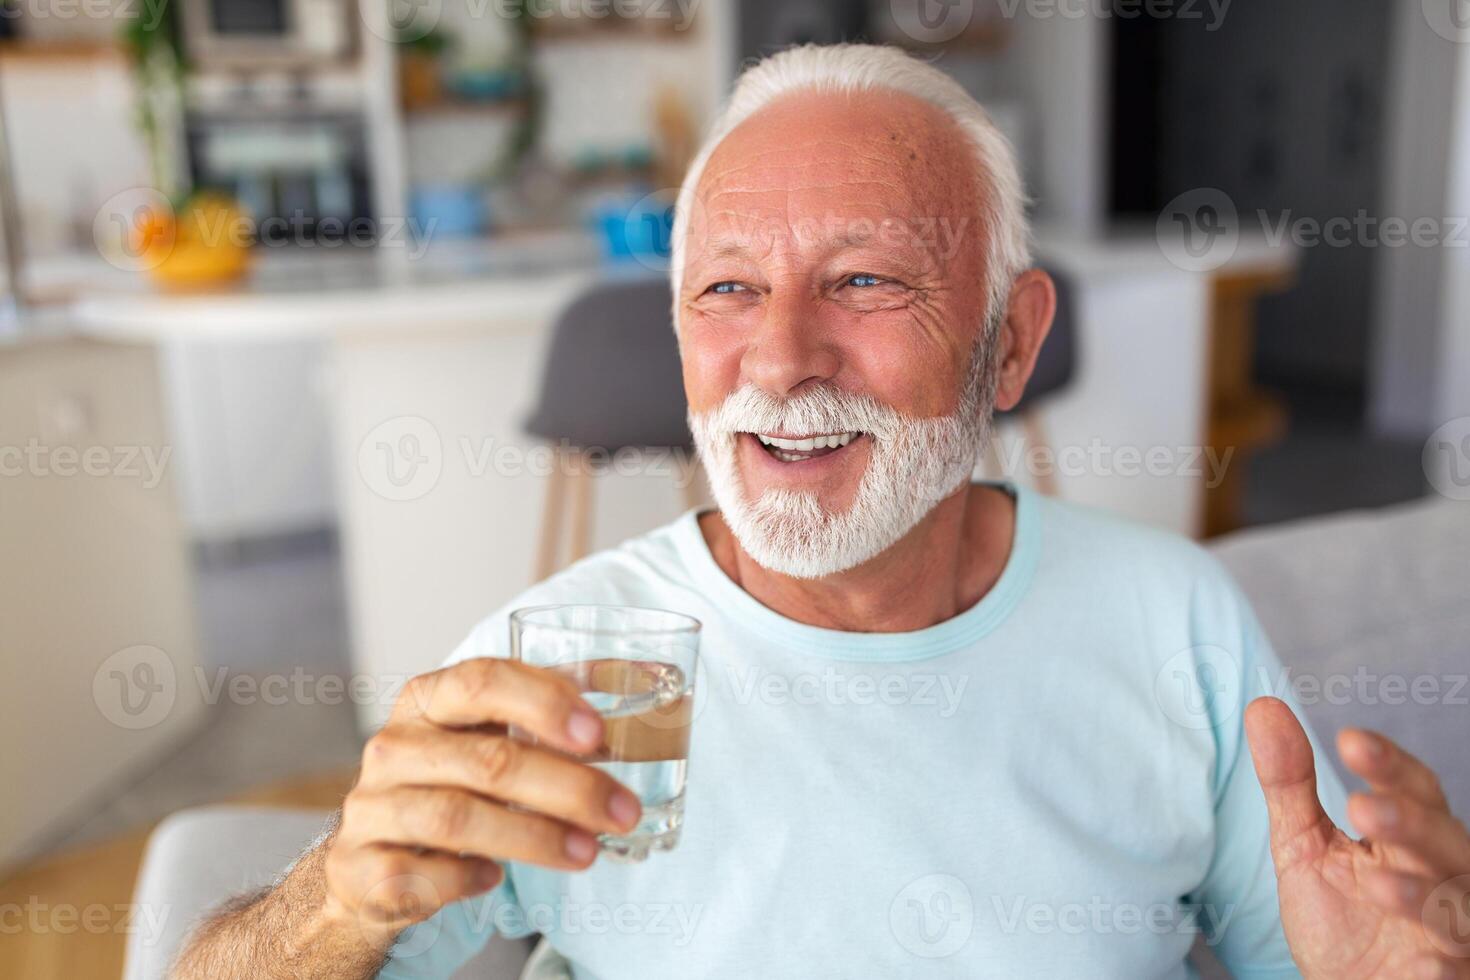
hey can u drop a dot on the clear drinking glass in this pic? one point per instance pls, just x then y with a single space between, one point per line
635 667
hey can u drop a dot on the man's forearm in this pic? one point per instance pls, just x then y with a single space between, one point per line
285 932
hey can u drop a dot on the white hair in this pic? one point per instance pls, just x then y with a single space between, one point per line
865 68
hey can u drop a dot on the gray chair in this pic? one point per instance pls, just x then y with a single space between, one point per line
611 382
1055 366
199 858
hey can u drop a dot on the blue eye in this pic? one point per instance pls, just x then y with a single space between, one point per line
725 288
863 280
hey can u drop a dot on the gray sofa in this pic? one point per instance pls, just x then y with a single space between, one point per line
1369 611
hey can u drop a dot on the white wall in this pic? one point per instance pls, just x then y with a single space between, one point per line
1422 314
74 144
1056 69
1454 361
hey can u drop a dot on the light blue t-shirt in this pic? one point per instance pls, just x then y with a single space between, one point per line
1054 783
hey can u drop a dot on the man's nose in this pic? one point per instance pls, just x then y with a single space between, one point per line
789 348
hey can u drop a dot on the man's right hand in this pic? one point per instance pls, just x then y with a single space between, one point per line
431 815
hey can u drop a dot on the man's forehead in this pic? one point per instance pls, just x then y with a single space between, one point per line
835 169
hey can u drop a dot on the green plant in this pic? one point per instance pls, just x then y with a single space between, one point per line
528 126
151 39
430 44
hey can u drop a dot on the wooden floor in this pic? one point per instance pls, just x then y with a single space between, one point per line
61 918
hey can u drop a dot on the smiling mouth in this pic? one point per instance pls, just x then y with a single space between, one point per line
800 448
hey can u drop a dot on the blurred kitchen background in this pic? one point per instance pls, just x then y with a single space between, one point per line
283 275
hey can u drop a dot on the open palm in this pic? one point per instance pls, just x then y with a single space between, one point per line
1395 904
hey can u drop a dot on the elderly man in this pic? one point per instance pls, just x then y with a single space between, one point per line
853 302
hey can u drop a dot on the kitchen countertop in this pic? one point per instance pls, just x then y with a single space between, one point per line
325 292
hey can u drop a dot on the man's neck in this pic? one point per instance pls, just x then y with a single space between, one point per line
945 565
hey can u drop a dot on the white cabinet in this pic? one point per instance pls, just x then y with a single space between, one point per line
97 636
249 427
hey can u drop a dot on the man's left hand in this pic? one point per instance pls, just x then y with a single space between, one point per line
1395 904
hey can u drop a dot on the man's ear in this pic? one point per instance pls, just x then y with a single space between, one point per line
1029 311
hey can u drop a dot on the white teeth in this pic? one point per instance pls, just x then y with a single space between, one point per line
808 444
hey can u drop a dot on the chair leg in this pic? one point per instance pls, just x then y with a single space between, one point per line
581 526
552 514
1035 432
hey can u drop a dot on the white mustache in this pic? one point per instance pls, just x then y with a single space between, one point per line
816 410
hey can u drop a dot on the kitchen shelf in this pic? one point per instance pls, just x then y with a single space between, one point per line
21 49
982 39
478 107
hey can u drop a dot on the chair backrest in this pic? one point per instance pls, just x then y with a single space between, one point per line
1057 361
612 377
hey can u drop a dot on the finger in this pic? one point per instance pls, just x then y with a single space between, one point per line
1433 836
390 887
458 822
1435 968
488 690
1388 768
504 768
1442 909
1288 776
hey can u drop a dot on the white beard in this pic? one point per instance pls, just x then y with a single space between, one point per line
914 463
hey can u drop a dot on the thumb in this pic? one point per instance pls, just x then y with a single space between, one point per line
1288 777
